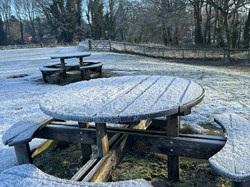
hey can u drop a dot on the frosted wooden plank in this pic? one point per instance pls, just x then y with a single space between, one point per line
143 104
71 55
69 100
110 93
233 160
193 92
120 104
170 100
24 130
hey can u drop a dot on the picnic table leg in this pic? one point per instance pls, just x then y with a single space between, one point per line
86 149
63 67
173 123
23 153
102 139
81 61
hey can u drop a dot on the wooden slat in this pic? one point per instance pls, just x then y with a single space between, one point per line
114 157
102 139
41 148
86 168
113 91
72 55
150 95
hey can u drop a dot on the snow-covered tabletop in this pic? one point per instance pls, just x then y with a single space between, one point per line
122 99
71 55
66 55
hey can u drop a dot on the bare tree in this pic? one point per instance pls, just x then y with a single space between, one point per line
110 7
247 31
5 10
168 16
229 10
19 12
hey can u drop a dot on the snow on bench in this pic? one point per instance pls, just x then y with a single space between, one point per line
48 71
86 70
233 160
20 134
92 61
29 175
23 131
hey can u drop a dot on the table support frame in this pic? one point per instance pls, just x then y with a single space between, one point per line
172 129
102 139
86 148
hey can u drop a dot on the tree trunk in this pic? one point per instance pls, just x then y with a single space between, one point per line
21 30
198 21
228 36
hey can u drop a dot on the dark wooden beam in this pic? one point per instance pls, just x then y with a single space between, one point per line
196 146
102 139
172 129
23 153
200 147
67 133
86 148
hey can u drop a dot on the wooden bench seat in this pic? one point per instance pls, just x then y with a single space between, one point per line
48 71
87 69
91 61
233 160
21 133
53 65
29 175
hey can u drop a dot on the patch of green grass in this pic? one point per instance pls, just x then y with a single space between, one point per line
153 167
187 129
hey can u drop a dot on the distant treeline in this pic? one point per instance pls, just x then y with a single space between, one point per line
203 23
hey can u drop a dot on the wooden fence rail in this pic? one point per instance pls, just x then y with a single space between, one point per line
164 52
38 45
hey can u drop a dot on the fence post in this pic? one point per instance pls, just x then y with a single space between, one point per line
224 55
109 45
248 55
205 53
144 49
125 47
90 45
182 53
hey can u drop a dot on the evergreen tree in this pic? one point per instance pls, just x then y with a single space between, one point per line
2 33
247 32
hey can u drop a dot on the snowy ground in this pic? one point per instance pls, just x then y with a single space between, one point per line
21 86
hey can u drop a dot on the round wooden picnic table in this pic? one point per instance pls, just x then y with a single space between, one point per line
122 99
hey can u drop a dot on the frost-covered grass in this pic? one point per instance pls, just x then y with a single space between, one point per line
21 86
